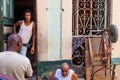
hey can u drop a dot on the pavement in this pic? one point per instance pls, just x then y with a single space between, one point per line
81 79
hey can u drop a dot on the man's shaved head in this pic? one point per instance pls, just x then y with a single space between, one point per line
65 65
14 41
65 69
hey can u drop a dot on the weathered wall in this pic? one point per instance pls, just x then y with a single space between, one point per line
67 29
42 30
116 21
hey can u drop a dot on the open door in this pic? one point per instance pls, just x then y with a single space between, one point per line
19 7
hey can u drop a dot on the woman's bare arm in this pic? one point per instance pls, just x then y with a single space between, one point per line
17 24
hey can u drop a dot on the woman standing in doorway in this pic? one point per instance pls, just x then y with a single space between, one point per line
26 31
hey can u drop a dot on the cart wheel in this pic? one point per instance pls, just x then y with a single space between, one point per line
113 33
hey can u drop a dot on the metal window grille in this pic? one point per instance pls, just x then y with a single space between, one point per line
88 18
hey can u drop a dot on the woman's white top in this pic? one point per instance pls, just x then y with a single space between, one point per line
25 32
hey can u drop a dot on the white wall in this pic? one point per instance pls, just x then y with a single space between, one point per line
42 29
67 29
116 21
116 46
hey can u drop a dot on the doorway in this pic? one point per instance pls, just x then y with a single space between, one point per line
19 7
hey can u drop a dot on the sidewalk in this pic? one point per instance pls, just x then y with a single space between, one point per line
81 79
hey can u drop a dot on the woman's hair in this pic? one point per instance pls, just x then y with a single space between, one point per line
29 11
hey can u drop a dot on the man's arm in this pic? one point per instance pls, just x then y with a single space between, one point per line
51 76
19 23
74 76
29 71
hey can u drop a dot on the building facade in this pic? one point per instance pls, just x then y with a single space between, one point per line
58 26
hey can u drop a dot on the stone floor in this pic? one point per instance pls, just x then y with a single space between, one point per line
81 79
